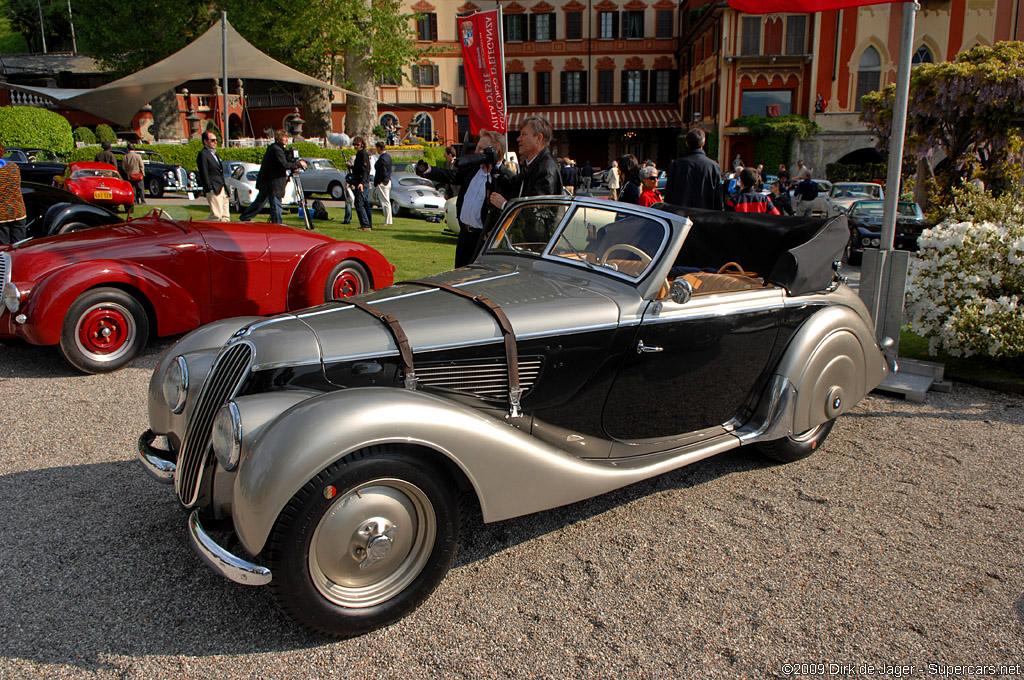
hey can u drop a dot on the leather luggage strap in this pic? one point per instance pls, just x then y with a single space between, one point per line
401 340
515 392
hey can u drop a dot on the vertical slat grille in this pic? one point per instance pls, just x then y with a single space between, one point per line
5 271
220 386
182 177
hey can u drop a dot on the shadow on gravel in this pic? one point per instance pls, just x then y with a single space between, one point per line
22 360
989 411
97 563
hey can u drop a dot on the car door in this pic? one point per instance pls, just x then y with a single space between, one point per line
693 366
240 268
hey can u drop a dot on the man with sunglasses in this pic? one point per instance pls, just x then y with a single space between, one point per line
211 177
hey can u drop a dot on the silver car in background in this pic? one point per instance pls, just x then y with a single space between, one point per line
412 194
240 180
323 177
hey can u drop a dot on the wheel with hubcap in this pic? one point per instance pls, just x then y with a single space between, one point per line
364 542
104 329
337 191
796 446
69 227
155 187
348 278
396 209
236 205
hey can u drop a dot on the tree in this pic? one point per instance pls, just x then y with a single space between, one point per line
971 108
24 18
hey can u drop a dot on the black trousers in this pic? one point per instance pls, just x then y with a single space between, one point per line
12 232
467 246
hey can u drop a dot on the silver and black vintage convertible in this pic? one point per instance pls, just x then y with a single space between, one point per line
590 345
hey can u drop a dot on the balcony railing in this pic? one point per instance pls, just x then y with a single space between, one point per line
414 95
19 98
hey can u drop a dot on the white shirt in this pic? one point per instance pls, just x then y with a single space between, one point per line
473 202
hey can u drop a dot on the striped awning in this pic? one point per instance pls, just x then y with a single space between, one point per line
603 118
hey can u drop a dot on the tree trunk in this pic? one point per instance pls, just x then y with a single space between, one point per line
360 112
317 103
167 117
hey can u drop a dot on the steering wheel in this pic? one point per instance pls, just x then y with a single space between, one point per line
645 259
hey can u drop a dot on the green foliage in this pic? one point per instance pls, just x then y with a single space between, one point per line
105 133
973 204
85 135
773 150
378 131
775 136
711 144
851 172
434 155
22 17
31 126
11 40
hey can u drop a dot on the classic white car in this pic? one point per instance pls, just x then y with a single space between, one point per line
240 179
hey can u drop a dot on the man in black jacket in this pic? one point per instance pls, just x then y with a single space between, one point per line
211 177
694 180
477 182
272 179
538 171
382 180
361 180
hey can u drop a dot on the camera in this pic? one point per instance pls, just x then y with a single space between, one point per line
489 157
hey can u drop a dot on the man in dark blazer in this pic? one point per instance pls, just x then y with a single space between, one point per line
538 170
361 179
694 180
211 177
272 179
382 180
477 182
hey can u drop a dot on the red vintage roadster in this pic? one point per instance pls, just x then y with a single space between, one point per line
100 293
98 183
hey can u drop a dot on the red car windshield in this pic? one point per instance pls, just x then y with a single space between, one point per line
79 174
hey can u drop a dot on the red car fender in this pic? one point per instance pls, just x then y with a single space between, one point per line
176 311
309 279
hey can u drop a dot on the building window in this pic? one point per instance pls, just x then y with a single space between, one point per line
425 75
757 102
462 76
543 87
462 121
922 56
634 87
574 87
424 126
661 89
605 87
426 27
751 41
664 23
517 87
573 25
633 24
389 80
796 35
869 75
515 27
608 25
542 27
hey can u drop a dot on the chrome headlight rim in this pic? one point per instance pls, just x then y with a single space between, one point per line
175 385
12 298
226 436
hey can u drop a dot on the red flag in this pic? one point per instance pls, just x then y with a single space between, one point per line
480 34
773 6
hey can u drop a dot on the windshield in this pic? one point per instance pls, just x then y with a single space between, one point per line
595 238
415 182
112 174
324 165
152 157
875 209
856 191
252 175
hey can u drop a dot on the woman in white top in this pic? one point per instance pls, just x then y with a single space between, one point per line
613 180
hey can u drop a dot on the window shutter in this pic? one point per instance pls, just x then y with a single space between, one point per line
644 98
673 86
433 26
526 87
565 86
623 18
532 35
416 75
625 88
437 75
584 92
552 35
504 26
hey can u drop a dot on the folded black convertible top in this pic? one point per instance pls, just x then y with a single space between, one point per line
793 252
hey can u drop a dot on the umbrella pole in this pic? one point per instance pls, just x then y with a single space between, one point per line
224 73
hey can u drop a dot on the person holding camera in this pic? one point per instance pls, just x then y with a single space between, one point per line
361 180
538 170
272 179
479 176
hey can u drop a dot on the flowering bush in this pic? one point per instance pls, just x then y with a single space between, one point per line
966 291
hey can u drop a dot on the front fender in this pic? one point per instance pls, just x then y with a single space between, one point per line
309 279
511 472
175 309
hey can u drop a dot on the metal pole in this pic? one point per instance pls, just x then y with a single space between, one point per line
42 31
224 74
74 44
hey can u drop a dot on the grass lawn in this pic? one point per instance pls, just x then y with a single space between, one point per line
975 369
416 247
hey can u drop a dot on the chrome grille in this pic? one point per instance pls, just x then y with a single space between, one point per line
488 380
5 271
182 177
222 384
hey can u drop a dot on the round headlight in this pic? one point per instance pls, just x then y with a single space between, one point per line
170 175
175 385
865 241
227 436
191 175
12 298
875 242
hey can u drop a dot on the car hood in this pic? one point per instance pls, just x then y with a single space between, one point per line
903 226
435 319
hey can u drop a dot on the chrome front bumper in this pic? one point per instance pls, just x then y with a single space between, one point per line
222 561
156 462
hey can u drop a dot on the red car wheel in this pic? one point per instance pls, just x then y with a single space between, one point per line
103 331
348 278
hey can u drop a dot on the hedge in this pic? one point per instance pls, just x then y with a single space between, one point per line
105 133
84 135
33 127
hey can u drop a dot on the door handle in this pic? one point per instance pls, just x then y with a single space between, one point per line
641 348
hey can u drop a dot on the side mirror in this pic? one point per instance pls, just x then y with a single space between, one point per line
680 291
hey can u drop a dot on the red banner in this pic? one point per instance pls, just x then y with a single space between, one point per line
773 6
480 34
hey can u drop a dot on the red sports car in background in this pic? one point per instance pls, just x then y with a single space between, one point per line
98 183
99 293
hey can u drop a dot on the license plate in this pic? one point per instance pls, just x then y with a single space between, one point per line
98 195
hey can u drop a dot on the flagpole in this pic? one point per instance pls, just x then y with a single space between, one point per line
224 74
504 83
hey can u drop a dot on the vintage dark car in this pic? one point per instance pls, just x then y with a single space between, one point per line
865 220
99 293
51 210
35 165
590 345
161 176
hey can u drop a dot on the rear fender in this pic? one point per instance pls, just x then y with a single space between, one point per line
62 213
832 362
309 279
176 311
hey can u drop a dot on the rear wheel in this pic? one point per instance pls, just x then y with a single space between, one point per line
363 543
396 209
104 329
236 205
69 227
337 191
796 446
348 278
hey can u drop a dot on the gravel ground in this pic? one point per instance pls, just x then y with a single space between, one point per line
898 543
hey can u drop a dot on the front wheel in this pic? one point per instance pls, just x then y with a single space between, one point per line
104 329
363 543
337 191
797 446
155 187
236 204
348 278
